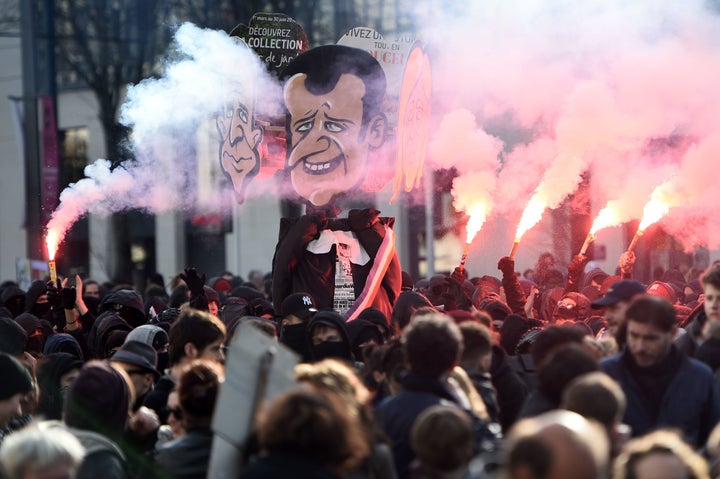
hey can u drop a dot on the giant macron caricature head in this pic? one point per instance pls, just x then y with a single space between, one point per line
334 99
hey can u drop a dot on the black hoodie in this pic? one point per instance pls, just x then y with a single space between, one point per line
128 304
37 289
13 298
342 349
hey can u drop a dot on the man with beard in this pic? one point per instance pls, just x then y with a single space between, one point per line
334 99
664 388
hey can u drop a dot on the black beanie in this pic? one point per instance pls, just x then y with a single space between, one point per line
15 378
12 337
98 400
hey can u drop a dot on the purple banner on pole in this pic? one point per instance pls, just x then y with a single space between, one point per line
50 159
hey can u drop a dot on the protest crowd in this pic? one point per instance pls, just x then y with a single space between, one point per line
546 374
555 373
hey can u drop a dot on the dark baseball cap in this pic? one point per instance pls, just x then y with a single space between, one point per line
619 291
301 305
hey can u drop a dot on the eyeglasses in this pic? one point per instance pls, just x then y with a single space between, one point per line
175 411
563 304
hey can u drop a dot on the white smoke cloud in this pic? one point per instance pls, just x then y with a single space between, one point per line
166 115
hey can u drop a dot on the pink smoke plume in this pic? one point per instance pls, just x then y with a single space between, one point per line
459 143
624 91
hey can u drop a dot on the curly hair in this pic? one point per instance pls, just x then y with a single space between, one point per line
315 424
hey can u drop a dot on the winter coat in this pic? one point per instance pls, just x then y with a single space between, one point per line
510 388
128 303
187 457
103 457
691 401
396 415
157 398
285 464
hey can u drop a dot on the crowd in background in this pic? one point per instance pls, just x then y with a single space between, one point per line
545 374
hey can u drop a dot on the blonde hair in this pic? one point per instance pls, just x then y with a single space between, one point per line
335 376
659 442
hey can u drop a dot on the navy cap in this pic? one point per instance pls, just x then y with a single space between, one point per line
301 305
619 291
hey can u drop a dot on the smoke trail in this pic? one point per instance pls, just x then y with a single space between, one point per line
170 118
624 90
474 154
694 197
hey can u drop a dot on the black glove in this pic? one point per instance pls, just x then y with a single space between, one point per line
459 274
320 220
53 295
68 297
310 226
194 281
575 268
506 265
455 296
362 219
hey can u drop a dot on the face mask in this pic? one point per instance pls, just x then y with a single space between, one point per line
566 313
294 337
16 306
34 344
40 309
163 361
330 349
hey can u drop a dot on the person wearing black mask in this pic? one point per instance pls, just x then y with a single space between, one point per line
36 300
328 337
297 309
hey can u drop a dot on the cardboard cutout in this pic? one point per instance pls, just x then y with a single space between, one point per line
257 369
407 106
276 39
240 138
334 95
413 121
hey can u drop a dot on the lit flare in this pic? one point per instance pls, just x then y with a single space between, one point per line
606 218
531 216
52 240
653 212
476 219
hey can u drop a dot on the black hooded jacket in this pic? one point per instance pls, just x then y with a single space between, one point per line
41 310
13 298
332 319
128 304
105 324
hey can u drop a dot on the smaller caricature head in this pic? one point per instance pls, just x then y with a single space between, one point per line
240 138
334 98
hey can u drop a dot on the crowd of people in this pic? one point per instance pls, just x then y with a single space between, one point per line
551 373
